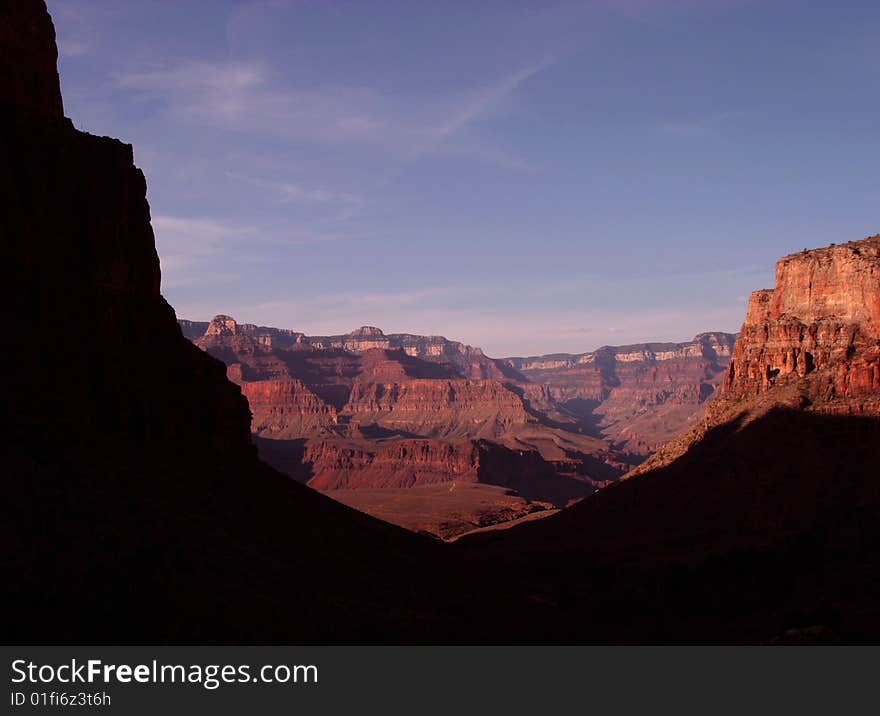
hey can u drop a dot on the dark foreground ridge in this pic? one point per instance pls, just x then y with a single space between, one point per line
758 530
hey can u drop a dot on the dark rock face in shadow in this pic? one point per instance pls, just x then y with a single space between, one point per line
135 509
778 475
29 84
757 529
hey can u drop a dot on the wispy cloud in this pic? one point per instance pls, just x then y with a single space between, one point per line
248 97
188 245
210 236
190 248
229 78
477 105
76 33
198 231
242 96
286 191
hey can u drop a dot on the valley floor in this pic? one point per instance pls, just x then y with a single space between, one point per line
447 510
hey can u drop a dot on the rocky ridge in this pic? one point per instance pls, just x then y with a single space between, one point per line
466 360
639 396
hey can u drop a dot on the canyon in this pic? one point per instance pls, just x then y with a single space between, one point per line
365 411
136 508
637 396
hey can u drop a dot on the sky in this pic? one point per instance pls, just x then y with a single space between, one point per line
528 177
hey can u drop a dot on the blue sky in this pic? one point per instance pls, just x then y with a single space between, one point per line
530 177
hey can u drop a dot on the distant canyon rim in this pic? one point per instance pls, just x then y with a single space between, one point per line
436 436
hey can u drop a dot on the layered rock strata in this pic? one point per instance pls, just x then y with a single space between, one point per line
373 412
819 330
639 396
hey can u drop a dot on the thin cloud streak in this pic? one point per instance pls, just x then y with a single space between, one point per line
478 106
215 235
292 192
192 248
242 96
522 154
76 33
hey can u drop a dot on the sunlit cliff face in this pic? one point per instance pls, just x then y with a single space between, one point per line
817 330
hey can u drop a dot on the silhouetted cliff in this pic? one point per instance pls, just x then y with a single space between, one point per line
135 508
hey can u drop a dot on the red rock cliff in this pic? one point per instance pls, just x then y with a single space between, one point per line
811 343
439 407
641 395
334 464
286 409
817 331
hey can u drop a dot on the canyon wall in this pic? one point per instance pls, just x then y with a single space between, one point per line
285 408
817 331
639 396
465 360
134 506
414 463
590 417
439 408
366 411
